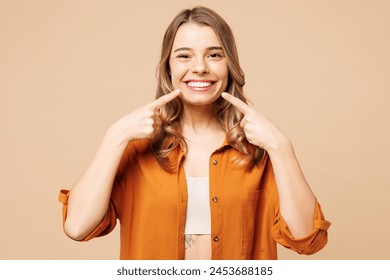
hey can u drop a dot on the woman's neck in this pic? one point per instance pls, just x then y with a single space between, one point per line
200 118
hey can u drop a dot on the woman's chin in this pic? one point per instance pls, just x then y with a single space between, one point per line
199 98
198 101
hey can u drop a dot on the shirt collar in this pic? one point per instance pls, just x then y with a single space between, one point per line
179 152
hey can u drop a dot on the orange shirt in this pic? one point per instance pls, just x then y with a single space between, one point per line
151 204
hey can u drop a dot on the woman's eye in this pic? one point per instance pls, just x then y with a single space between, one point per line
183 56
215 55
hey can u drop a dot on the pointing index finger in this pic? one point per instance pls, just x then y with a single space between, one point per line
161 101
238 103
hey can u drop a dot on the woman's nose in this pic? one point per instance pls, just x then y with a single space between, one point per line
200 66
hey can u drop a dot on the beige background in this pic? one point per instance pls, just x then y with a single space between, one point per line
68 69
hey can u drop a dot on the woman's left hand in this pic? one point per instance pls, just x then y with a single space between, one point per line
258 129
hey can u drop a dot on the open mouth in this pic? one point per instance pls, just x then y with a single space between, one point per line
200 85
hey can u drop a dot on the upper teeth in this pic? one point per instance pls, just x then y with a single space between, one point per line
199 84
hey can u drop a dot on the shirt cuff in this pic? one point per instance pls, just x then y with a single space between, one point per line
309 244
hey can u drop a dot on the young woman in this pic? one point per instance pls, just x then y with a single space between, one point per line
197 173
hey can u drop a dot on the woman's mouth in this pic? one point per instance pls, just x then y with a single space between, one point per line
199 85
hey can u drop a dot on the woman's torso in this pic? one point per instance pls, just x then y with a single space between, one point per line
196 165
197 247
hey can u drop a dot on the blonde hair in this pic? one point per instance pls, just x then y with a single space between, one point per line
168 137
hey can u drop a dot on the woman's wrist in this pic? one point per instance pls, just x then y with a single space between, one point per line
281 147
114 138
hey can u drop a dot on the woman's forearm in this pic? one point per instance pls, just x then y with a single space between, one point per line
90 195
297 201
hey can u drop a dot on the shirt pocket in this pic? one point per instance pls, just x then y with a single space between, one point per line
249 208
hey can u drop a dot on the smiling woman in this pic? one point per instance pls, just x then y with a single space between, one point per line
196 173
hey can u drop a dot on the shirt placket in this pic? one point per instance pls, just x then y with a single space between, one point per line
182 207
216 202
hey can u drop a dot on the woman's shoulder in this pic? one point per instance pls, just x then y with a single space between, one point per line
134 153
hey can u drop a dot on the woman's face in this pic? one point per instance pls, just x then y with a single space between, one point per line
198 64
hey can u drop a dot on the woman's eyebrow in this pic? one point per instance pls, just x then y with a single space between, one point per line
214 48
189 49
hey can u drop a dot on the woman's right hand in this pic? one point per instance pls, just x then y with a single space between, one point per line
142 122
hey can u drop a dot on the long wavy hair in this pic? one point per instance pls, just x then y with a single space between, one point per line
168 136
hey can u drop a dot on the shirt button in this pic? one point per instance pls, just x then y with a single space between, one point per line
216 239
215 199
215 162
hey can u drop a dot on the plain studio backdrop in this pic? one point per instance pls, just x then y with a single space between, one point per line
320 70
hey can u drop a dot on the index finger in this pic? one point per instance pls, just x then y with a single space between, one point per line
161 101
238 103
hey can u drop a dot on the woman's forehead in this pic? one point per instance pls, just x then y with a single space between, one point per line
192 35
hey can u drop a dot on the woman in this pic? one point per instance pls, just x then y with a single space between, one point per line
197 173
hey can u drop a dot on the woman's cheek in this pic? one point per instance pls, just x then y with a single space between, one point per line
175 79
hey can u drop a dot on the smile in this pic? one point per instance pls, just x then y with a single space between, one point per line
199 85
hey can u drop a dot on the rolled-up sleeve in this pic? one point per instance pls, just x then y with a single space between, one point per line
310 244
